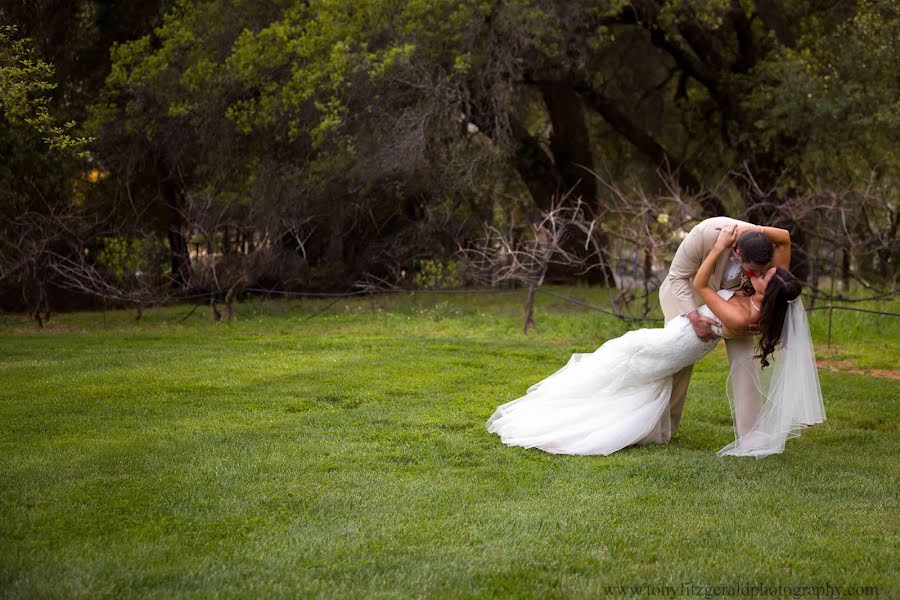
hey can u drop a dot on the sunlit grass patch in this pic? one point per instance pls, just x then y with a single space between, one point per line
345 453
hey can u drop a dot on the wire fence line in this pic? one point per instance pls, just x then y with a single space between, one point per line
854 309
356 293
557 295
598 309
385 291
842 298
337 296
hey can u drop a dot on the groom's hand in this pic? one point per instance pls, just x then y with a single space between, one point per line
702 325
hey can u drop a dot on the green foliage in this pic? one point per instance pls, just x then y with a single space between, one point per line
437 274
25 81
835 96
119 257
325 110
328 75
131 261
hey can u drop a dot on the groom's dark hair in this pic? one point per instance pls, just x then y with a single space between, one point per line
755 247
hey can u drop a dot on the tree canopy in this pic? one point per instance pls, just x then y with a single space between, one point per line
359 134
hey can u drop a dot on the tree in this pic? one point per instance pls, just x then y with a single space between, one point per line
364 136
38 200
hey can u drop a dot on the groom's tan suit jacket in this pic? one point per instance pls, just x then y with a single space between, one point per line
677 297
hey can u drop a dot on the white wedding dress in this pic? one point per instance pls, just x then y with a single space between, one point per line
614 397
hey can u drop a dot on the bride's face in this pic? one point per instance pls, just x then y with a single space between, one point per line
761 282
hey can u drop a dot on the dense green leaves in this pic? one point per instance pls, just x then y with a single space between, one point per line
25 80
385 120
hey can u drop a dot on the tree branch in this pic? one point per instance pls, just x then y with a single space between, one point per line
771 17
644 142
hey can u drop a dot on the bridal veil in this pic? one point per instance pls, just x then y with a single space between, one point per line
793 396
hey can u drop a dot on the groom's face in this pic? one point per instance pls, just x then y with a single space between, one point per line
755 269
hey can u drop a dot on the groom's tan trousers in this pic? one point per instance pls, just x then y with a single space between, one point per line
682 378
744 378
676 297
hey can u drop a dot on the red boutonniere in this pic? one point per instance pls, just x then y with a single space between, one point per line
746 283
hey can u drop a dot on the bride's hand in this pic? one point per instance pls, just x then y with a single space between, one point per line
727 237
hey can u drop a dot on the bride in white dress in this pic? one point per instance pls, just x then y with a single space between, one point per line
609 399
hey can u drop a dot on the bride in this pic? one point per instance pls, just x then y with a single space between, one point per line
604 401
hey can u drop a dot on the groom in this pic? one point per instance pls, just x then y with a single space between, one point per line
752 255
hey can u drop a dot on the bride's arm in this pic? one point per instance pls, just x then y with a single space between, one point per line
781 238
732 317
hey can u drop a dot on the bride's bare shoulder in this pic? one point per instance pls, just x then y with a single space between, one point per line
742 315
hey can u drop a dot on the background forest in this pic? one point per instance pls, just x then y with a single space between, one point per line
174 149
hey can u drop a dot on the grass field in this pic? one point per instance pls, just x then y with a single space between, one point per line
346 455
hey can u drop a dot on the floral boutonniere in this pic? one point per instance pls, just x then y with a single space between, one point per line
746 284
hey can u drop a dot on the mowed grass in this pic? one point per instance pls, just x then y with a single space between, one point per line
343 453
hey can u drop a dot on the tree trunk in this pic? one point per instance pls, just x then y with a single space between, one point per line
178 246
535 167
570 144
845 269
812 280
334 253
251 241
529 309
649 147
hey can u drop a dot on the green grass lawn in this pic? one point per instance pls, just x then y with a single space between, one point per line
346 455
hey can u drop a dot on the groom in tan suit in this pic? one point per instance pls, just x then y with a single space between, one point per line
753 254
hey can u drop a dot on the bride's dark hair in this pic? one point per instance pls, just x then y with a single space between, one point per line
782 288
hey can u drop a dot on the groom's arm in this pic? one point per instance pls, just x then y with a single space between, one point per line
690 254
686 262
684 266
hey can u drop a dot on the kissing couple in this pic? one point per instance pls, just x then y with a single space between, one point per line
729 280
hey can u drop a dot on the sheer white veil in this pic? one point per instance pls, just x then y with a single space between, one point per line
793 396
